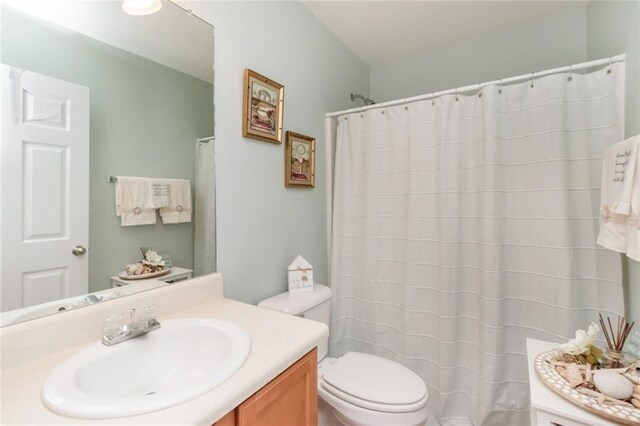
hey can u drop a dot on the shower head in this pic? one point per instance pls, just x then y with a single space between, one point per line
366 100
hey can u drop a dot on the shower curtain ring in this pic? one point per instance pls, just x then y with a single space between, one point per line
610 62
456 93
500 86
532 76
570 73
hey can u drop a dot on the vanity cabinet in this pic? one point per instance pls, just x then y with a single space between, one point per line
291 399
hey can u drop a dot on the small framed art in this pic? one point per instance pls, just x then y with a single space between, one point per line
300 160
263 105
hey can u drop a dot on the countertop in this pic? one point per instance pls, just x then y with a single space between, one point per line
277 341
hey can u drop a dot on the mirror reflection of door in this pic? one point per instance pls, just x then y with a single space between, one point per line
44 188
150 110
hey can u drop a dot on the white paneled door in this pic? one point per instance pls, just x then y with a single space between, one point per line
44 189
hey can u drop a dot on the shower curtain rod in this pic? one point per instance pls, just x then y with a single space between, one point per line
531 76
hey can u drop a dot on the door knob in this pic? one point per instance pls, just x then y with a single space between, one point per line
78 251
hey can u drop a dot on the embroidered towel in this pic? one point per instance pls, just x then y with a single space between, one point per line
179 210
160 192
619 180
133 201
624 175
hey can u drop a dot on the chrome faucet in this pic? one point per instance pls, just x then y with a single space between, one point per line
131 330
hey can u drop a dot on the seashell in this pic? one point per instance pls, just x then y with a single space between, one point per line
588 374
575 376
613 384
132 268
636 402
563 372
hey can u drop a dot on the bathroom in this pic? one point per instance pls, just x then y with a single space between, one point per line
321 52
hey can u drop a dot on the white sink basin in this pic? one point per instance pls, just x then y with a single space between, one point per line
180 361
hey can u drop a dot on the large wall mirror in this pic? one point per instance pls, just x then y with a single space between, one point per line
90 93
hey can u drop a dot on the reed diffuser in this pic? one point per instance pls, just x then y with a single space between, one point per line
614 356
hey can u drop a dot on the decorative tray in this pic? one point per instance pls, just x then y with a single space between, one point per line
126 276
623 414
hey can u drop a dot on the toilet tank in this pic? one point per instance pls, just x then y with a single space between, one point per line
313 305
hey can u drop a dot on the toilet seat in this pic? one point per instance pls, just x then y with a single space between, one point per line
374 383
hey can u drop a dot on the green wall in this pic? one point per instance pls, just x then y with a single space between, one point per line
261 225
145 118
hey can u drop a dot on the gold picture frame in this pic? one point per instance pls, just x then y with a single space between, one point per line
262 108
300 160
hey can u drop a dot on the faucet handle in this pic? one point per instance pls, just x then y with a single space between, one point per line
132 314
112 325
150 311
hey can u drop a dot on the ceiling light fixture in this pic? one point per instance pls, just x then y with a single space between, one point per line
141 7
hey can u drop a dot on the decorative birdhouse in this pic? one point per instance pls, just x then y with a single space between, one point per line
300 275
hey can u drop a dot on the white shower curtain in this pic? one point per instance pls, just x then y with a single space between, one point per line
462 226
204 241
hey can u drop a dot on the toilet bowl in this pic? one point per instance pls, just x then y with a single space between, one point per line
360 389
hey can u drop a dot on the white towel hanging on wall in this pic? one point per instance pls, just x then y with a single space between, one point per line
620 199
133 200
179 209
160 192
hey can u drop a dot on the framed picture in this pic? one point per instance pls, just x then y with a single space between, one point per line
262 108
300 160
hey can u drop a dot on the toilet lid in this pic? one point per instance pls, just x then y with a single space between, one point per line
374 379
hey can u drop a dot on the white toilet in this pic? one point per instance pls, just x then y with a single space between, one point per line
360 389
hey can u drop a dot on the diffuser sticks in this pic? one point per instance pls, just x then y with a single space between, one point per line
615 340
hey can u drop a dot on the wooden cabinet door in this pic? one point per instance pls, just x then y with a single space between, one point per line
228 420
291 399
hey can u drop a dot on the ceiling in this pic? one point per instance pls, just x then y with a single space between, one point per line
170 37
379 31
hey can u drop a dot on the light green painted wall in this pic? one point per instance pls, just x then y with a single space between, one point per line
145 118
538 45
261 225
613 28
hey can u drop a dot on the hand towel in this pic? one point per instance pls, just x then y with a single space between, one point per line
619 180
133 201
179 210
160 192
624 174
